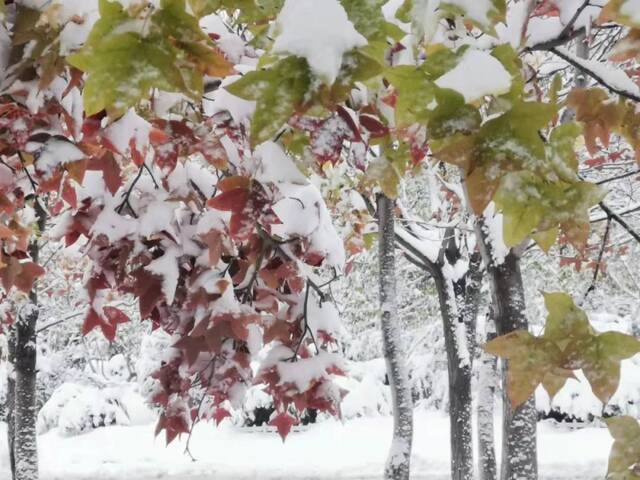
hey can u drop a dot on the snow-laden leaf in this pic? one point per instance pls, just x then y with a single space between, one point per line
125 58
278 91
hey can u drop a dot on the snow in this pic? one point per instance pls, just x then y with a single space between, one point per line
307 370
353 450
321 32
57 152
477 74
613 77
167 267
276 166
129 130
220 100
493 225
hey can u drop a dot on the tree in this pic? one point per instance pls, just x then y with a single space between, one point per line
398 464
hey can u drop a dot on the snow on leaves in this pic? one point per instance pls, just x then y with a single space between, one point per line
569 343
172 53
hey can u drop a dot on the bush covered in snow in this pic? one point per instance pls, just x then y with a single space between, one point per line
76 409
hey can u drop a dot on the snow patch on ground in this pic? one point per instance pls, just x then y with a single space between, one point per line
356 449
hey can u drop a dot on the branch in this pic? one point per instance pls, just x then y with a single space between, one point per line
599 262
620 221
618 177
580 65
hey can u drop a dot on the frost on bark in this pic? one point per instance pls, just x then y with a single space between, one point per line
487 381
519 426
398 463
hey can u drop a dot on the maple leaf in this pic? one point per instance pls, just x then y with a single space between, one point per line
110 169
192 346
599 115
278 91
148 289
625 452
108 324
531 359
283 422
220 414
233 200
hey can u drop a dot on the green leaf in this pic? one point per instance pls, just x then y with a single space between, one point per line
278 92
416 94
625 452
565 318
485 19
124 68
546 239
531 360
173 21
125 58
600 361
367 17
386 175
357 66
529 202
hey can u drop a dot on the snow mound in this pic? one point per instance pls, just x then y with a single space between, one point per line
76 409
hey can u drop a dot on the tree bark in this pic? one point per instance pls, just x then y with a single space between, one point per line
398 463
487 381
459 301
25 448
459 371
11 401
519 426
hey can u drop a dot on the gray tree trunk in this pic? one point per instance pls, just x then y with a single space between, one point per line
487 382
11 401
398 463
459 301
519 427
25 448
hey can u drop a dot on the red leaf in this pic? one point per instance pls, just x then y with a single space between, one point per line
375 127
220 414
91 321
29 271
148 289
110 170
283 422
232 201
231 183
69 194
115 315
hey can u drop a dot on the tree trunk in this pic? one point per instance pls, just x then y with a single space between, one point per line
25 439
487 380
459 301
459 370
398 463
25 449
519 442
11 400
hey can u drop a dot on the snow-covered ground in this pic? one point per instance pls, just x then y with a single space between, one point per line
331 450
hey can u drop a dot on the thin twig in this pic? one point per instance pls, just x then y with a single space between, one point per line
599 262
